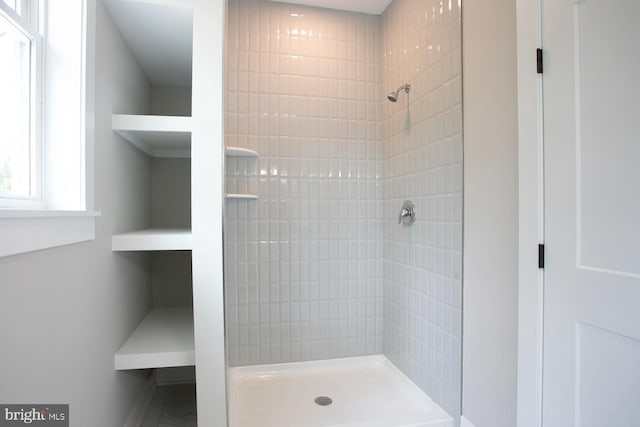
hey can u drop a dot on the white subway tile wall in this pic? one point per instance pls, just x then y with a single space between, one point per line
318 267
303 263
422 139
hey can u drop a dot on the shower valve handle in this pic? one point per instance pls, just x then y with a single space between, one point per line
407 213
403 213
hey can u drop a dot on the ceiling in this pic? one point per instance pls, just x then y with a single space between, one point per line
160 35
373 7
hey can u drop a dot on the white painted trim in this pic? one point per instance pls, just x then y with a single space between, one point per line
136 416
65 105
153 239
27 231
89 100
207 204
45 213
464 422
531 215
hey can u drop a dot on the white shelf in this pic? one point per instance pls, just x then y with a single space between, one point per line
163 339
240 152
153 240
232 196
158 136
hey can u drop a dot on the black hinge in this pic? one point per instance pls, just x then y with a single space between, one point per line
539 64
541 255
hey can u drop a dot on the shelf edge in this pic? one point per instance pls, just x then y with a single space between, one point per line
152 344
152 240
239 152
149 123
233 196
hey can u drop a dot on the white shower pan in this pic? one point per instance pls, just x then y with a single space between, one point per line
364 391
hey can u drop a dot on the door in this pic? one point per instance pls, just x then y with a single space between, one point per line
592 213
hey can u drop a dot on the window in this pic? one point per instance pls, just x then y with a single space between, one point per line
47 72
20 86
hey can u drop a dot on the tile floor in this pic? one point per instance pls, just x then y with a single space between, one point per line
172 406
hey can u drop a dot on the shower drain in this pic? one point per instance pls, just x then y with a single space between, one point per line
323 401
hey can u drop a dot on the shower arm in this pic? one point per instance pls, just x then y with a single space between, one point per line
393 96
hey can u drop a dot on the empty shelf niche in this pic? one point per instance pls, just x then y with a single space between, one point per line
240 152
163 339
158 136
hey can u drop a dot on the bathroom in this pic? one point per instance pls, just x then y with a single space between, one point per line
318 266
267 191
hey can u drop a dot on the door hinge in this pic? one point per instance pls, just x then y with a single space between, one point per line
539 63
541 255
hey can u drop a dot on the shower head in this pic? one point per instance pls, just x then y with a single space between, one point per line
393 96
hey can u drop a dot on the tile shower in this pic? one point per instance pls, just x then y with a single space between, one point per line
318 266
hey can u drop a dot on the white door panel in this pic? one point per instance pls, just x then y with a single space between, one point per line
592 215
606 46
606 397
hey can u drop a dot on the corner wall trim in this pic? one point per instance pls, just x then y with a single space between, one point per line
465 422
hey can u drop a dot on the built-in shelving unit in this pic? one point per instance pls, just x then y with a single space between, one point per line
153 240
163 339
158 136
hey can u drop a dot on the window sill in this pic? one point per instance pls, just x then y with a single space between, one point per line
32 230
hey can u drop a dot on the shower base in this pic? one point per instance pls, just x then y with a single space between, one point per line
364 391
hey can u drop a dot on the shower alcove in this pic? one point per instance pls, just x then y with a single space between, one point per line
317 270
310 173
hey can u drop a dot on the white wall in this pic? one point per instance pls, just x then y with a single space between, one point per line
64 312
171 100
171 208
491 209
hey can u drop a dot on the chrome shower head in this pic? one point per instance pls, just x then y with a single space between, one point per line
393 96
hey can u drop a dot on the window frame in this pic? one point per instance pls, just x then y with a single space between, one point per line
67 126
30 24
